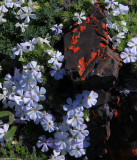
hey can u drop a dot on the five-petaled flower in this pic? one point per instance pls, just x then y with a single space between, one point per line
79 17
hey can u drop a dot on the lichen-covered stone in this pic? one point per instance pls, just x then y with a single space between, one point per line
87 52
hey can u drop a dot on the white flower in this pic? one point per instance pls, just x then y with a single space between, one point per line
75 119
3 132
0 85
112 25
22 26
90 98
43 40
123 23
57 156
61 139
28 14
3 8
57 72
51 52
133 44
80 132
129 55
121 9
48 124
79 17
57 28
22 47
2 19
56 58
117 39
34 113
77 152
11 3
111 4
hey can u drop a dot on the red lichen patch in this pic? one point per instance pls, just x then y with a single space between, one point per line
116 113
88 20
102 45
118 101
104 26
94 18
74 39
82 79
75 49
98 52
110 55
93 55
74 30
134 151
102 38
81 66
71 47
82 28
106 151
75 24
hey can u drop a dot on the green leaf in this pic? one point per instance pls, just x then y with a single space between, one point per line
11 132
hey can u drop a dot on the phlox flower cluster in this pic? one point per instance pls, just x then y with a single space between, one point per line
56 59
22 93
130 54
116 9
71 136
26 47
25 13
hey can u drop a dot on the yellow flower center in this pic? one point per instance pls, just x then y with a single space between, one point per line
88 98
35 110
75 117
31 98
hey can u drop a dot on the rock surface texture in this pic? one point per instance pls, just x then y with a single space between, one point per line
87 54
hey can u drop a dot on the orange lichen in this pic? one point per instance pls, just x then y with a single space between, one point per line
134 151
116 114
88 20
75 49
71 47
102 45
104 26
82 28
81 66
106 151
74 30
82 79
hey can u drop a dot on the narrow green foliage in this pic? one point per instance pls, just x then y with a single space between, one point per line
7 114
11 132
